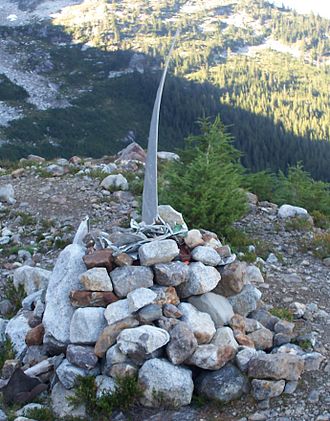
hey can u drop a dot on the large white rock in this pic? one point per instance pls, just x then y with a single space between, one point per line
246 301
16 330
7 194
158 251
146 339
87 324
140 298
165 384
172 217
212 357
61 405
200 323
289 211
65 278
201 279
96 279
115 182
32 278
168 156
116 311
194 238
217 306
206 255
252 275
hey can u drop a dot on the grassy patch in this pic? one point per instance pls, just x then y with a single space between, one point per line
15 296
6 352
125 395
321 245
298 224
26 218
282 313
321 220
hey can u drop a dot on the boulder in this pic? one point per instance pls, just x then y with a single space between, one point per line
128 278
212 357
206 255
200 323
266 389
158 251
105 385
312 361
243 358
16 330
289 211
218 307
246 301
182 344
132 152
109 335
265 318
165 295
99 259
96 279
81 356
165 384
194 238
251 325
150 313
116 311
201 279
68 374
224 336
231 279
61 405
276 366
114 182
87 325
92 298
283 326
114 356
31 278
139 298
142 340
55 170
171 274
65 278
170 310
168 156
7 194
35 336
223 385
253 275
173 218
262 338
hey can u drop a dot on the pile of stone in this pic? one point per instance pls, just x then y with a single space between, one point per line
183 315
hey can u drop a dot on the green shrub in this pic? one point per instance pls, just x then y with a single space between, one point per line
205 184
320 219
298 224
321 245
282 313
263 184
6 352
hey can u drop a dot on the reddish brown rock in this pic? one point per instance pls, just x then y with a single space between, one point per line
237 322
243 340
109 335
231 279
18 173
100 258
123 259
35 336
92 298
166 295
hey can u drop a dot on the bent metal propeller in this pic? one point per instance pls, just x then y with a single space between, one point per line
150 189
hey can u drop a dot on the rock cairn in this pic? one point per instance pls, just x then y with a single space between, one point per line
183 315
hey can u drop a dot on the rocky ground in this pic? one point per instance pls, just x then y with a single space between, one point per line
51 199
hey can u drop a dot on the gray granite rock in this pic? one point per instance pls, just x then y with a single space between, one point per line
211 357
224 336
81 356
265 318
128 278
262 338
165 384
145 339
16 330
64 279
266 389
246 301
223 385
87 325
68 373
206 255
116 311
158 251
194 238
105 385
139 298
96 279
171 274
150 313
243 358
61 405
276 366
114 182
182 343
200 323
31 278
218 307
201 279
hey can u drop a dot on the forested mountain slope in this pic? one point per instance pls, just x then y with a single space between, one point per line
76 84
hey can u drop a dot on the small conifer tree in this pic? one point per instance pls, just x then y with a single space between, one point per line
205 184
